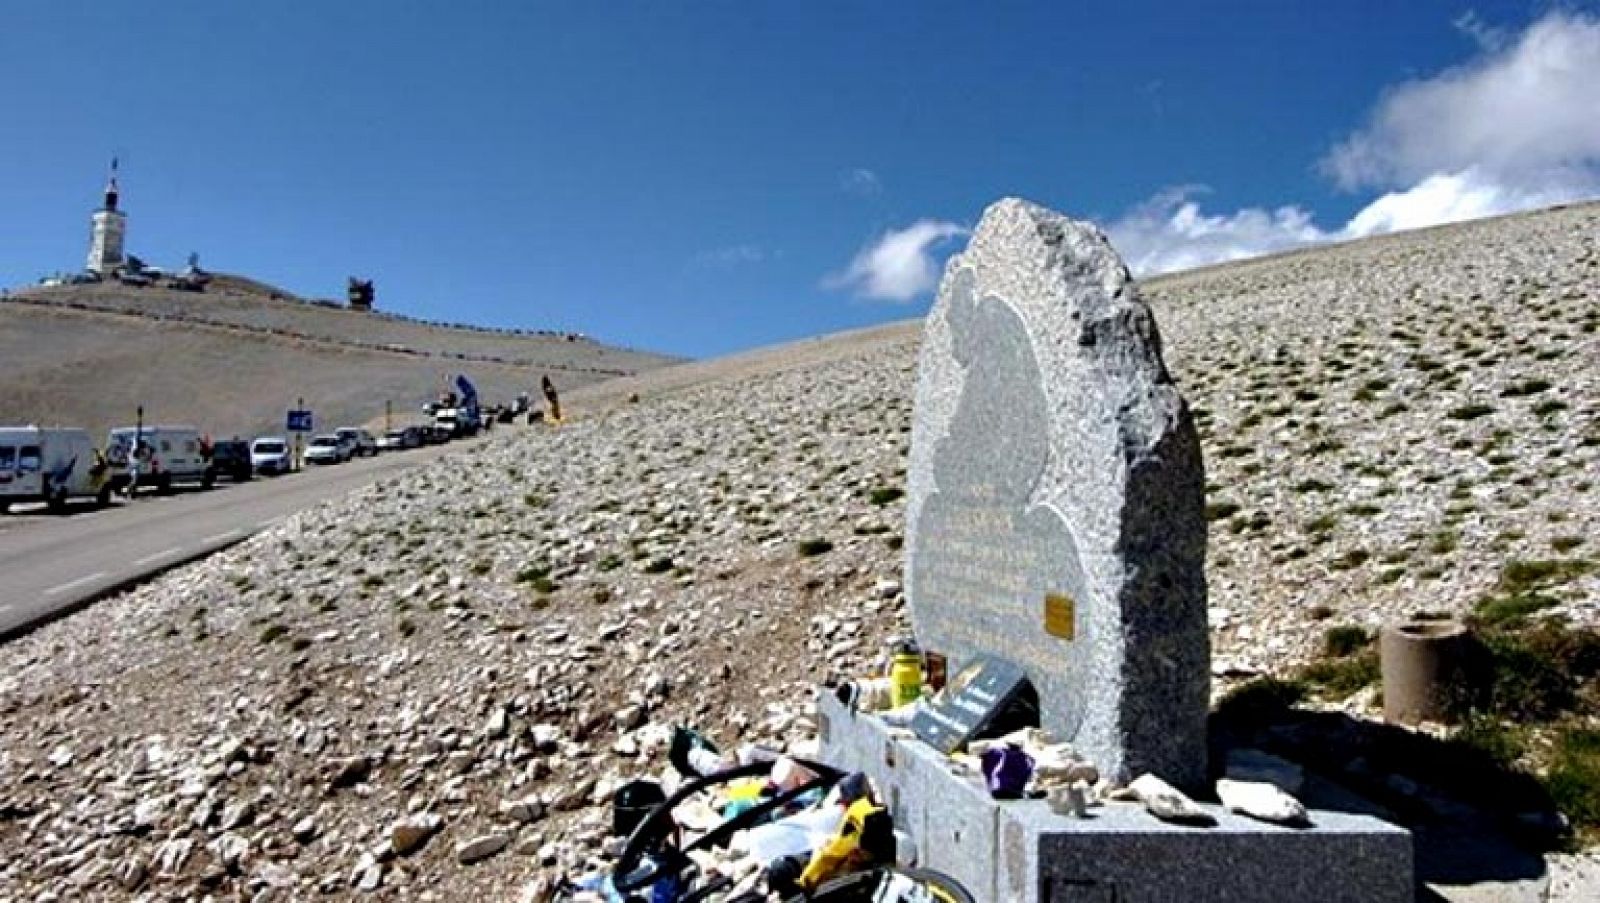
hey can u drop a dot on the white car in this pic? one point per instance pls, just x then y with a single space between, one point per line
270 455
328 449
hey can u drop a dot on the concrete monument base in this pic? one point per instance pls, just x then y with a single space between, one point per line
1021 852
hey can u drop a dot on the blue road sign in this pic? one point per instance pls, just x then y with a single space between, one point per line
299 422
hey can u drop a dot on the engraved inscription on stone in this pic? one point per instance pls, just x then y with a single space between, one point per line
988 552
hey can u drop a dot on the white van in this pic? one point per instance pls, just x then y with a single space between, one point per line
165 455
50 465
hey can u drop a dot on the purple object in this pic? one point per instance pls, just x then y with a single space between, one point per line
1006 770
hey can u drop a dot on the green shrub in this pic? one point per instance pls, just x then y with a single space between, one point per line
1351 559
1524 388
273 633
1551 406
1492 737
1221 511
1528 683
1342 677
1323 524
1509 610
885 494
810 548
533 572
1566 543
1471 412
1573 780
1344 640
659 566
1518 576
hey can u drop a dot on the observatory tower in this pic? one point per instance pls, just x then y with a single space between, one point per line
110 224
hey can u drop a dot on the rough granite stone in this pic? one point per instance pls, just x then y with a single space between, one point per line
1053 457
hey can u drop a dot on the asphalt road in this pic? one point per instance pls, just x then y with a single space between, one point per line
52 564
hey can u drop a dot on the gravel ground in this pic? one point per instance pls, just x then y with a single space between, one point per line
478 651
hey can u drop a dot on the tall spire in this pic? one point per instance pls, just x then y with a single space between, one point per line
111 187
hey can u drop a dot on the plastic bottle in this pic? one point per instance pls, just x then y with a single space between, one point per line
905 674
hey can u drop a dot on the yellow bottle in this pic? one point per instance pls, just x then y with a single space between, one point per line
905 675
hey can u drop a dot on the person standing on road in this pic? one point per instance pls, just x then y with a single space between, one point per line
133 467
552 398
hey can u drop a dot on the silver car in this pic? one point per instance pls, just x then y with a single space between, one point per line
328 449
270 455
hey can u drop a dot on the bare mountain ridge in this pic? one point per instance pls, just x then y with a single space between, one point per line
233 358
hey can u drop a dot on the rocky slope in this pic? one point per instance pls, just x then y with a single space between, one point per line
460 663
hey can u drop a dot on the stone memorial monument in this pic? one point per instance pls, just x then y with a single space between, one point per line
1056 506
1055 523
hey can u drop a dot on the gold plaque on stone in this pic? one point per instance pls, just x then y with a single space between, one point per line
1060 616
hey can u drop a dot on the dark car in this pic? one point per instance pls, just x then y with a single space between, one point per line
230 458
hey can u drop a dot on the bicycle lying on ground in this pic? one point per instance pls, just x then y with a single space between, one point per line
655 868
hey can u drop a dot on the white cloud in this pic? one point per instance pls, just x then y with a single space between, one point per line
1169 232
899 265
1529 106
1516 128
1469 194
862 182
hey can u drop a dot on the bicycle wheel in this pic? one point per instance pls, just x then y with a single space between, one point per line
893 885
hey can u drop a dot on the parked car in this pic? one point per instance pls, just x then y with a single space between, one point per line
159 455
328 449
270 455
231 458
401 439
365 445
50 465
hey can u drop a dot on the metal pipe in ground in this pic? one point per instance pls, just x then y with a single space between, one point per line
1426 670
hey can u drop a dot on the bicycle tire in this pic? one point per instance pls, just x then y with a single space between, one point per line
893 885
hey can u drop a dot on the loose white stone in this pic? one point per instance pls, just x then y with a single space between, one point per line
1167 802
1259 799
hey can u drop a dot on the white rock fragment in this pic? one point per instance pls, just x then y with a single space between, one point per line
1259 799
1168 803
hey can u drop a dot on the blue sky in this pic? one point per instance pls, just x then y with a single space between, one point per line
705 177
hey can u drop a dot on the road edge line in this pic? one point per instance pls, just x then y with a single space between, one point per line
19 631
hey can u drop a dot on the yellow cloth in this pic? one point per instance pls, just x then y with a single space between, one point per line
842 854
